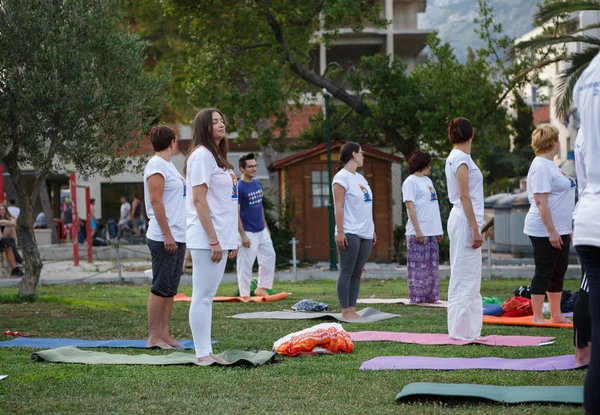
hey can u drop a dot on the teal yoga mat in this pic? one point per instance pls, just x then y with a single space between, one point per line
70 354
502 394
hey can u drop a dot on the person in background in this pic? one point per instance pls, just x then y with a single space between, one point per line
586 237
548 223
423 231
67 220
8 240
165 194
125 215
40 221
465 191
212 220
254 233
13 209
93 223
136 215
355 229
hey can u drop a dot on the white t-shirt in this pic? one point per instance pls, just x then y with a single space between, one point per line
358 204
125 211
173 199
15 211
587 99
546 177
421 192
455 159
222 199
580 162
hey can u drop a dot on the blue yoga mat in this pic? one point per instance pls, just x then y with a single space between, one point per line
48 343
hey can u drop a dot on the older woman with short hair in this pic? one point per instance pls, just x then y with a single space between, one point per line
423 230
548 223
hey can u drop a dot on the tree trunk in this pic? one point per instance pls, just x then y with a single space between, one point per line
47 209
31 254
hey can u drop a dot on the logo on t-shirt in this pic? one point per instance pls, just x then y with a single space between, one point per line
234 186
184 186
573 185
255 198
366 194
433 194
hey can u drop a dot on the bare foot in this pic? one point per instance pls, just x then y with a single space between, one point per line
172 342
583 355
539 321
205 361
218 359
245 299
560 320
351 315
261 292
161 344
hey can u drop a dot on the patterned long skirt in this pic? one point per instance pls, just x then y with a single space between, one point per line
422 266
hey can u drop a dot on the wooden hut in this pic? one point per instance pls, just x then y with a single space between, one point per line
303 179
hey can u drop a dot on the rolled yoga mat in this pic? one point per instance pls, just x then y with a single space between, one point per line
255 299
45 343
368 315
71 354
404 301
523 321
566 362
502 394
444 339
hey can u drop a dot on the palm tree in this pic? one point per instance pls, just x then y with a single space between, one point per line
558 11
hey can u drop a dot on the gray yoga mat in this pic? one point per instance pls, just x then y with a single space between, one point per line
566 362
70 354
502 394
368 315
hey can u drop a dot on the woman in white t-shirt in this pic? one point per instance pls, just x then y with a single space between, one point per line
586 237
164 194
423 231
465 191
212 219
548 223
355 230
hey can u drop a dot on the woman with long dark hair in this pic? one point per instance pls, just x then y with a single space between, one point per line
212 219
355 230
465 191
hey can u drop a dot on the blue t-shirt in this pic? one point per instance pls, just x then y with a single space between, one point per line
250 198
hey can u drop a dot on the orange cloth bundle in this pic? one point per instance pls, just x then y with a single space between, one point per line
329 336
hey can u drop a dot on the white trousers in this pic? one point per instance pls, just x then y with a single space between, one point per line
206 277
465 309
261 245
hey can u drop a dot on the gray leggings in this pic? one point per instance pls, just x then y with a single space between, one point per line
352 261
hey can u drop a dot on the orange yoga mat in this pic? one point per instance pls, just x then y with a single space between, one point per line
522 321
257 299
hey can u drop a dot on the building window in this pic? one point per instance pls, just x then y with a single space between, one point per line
320 189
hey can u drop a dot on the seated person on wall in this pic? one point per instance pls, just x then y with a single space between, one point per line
8 241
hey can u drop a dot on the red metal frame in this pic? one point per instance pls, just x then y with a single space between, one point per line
75 227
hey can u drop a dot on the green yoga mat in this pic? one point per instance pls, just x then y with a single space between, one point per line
70 354
503 394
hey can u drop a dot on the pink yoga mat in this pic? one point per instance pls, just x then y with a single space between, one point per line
565 362
444 339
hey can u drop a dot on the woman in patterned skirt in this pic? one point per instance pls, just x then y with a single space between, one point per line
423 230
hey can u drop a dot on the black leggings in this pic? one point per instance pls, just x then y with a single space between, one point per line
9 242
352 261
582 325
590 259
550 265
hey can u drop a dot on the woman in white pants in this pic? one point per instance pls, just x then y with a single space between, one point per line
465 191
211 222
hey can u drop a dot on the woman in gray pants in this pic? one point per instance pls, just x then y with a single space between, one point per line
355 230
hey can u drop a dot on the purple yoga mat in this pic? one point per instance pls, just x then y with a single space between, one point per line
566 362
444 339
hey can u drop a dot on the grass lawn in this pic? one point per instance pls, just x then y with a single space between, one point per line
321 384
